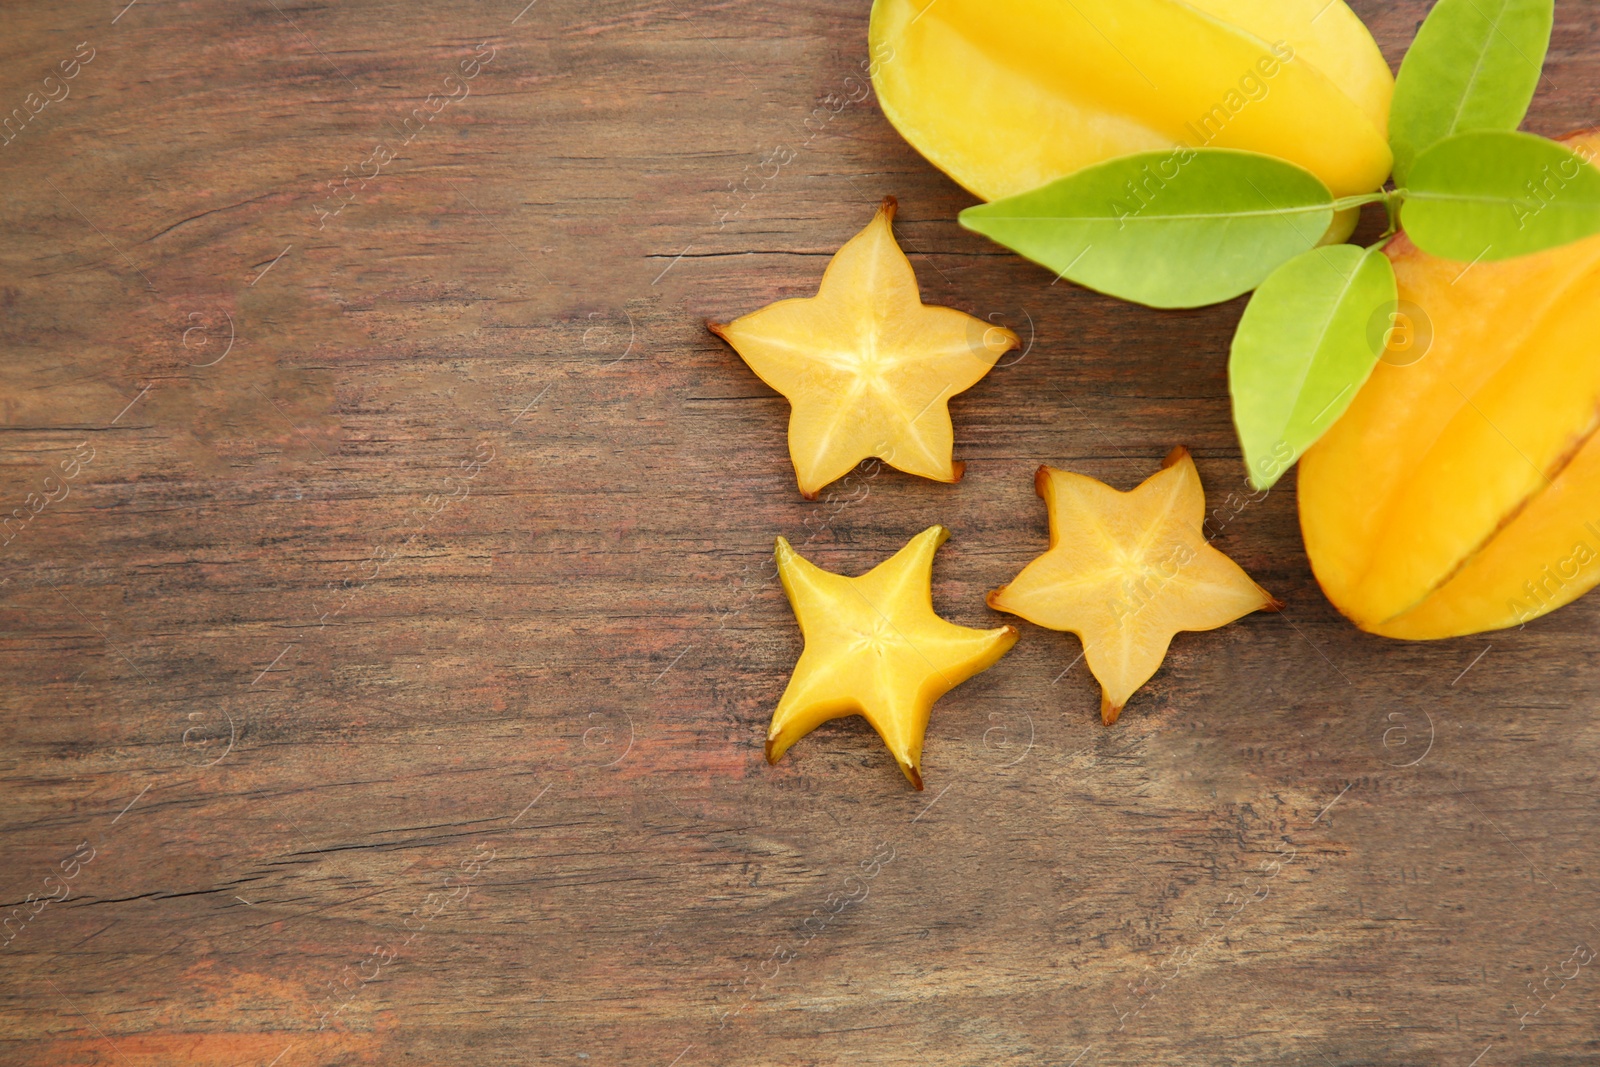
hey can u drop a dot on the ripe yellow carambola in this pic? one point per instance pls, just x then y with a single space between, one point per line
1461 490
1008 95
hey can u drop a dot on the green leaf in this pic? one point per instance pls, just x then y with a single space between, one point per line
1493 196
1474 66
1173 229
1304 347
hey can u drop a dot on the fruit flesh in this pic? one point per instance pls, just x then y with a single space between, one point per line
876 648
1008 95
1461 492
867 367
1126 572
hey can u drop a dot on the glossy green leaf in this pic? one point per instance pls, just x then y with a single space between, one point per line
1498 195
1169 229
1474 66
1305 346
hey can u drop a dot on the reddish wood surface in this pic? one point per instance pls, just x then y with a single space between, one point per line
405 667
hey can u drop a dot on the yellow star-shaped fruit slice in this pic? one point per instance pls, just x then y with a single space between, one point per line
868 368
875 648
1127 571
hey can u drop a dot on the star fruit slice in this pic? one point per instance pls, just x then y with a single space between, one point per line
867 367
1127 571
875 648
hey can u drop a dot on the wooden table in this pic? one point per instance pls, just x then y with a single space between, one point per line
388 683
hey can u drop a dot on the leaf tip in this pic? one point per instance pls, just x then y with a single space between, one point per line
1261 481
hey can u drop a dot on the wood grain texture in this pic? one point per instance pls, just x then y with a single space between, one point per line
404 670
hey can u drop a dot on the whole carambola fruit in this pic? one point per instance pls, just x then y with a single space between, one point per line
1008 95
1461 490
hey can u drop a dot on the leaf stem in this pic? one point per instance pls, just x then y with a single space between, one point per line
1345 202
1391 203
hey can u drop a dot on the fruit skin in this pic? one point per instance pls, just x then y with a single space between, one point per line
1461 491
1009 95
